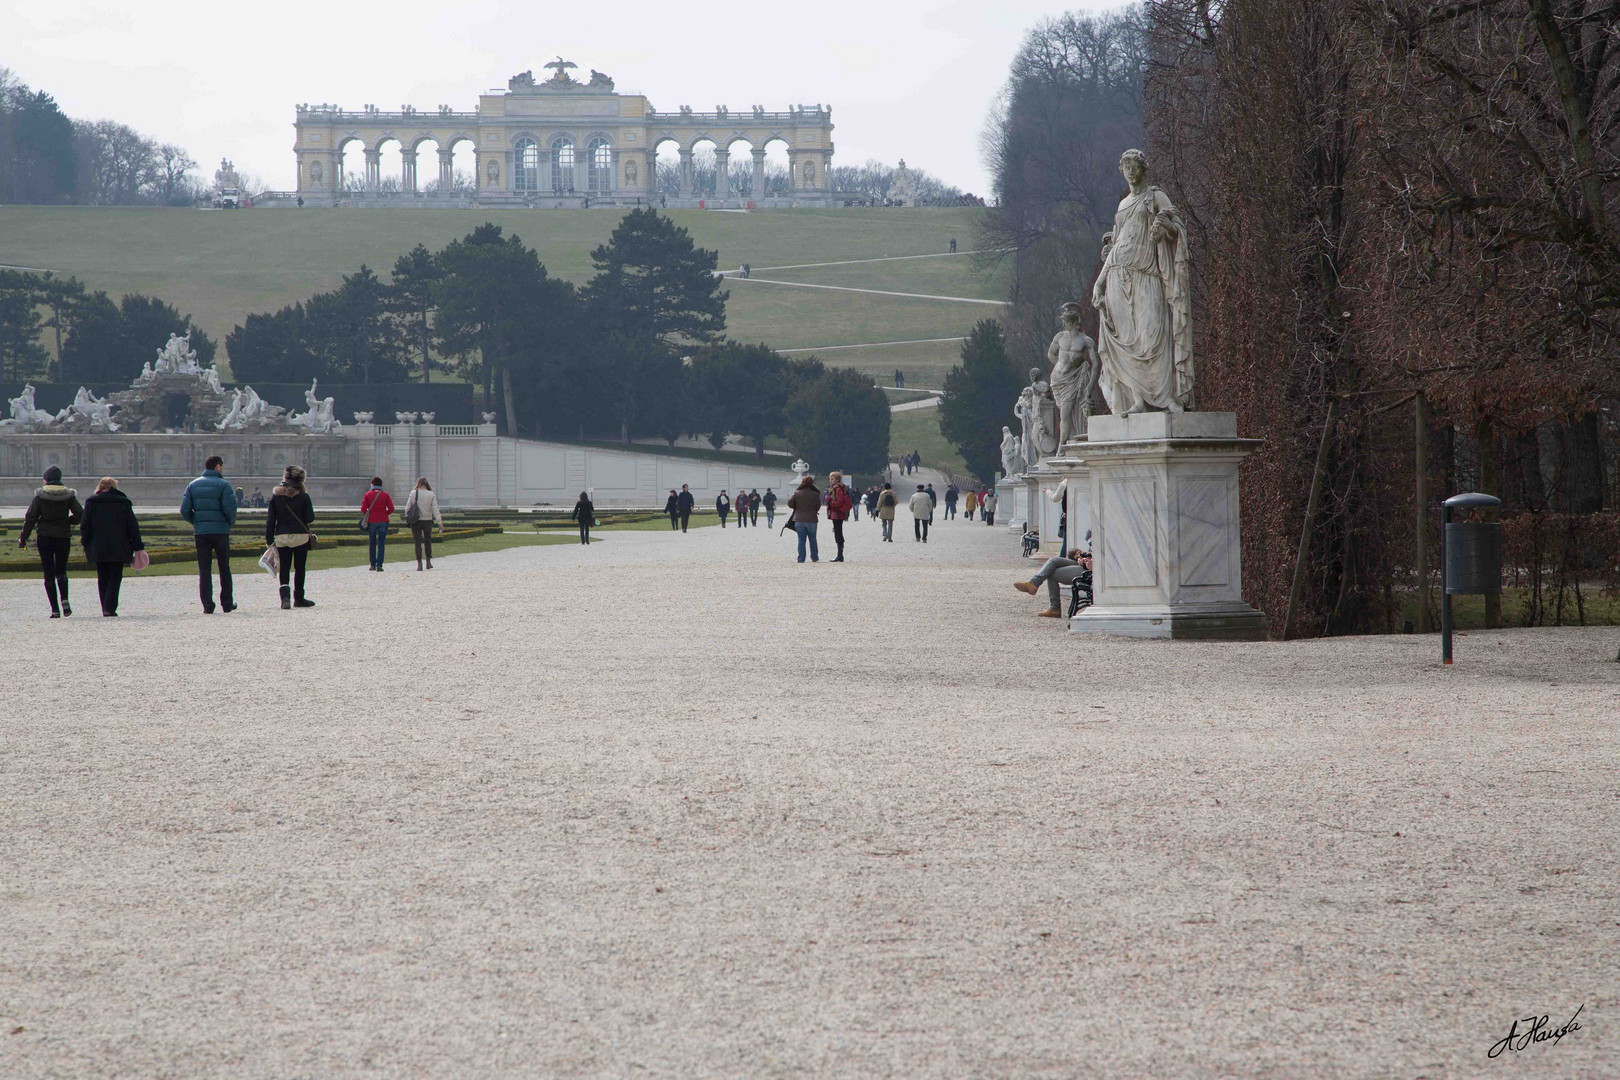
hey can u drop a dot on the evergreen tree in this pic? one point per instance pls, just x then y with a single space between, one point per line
741 389
21 355
107 342
652 280
496 303
411 300
275 348
352 327
979 396
43 163
839 419
62 299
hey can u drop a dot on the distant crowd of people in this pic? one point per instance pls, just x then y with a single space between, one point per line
110 534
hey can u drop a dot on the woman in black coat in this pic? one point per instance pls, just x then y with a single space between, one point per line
585 514
287 528
110 536
672 507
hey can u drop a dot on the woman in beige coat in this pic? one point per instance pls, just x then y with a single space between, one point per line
887 503
426 520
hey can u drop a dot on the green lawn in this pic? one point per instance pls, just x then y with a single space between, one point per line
918 429
221 267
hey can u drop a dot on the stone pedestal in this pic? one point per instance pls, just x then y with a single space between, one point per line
1045 515
1017 505
1006 501
1163 496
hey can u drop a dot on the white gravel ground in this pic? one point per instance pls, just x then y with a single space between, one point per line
678 806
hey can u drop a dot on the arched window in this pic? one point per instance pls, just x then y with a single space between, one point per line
562 163
526 165
600 157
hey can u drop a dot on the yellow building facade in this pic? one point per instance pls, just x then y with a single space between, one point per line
562 141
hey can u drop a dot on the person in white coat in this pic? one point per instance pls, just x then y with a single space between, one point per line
424 520
922 512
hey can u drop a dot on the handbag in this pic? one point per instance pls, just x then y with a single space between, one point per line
413 511
307 531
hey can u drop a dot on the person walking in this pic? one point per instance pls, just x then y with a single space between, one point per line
722 506
687 502
209 504
770 508
951 493
288 527
422 516
753 508
933 499
672 507
376 509
887 504
989 505
741 506
585 514
110 536
54 512
839 503
804 508
922 511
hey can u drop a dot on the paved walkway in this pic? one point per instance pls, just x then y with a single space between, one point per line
676 805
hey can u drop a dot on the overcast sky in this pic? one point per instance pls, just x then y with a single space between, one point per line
911 79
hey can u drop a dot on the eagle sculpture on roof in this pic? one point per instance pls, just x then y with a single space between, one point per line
562 67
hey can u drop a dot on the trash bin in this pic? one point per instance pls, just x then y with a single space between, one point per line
1471 557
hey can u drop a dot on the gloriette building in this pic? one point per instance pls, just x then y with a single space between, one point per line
561 141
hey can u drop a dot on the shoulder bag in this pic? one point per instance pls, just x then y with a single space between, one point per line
413 511
286 504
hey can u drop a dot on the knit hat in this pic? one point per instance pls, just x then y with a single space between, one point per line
53 475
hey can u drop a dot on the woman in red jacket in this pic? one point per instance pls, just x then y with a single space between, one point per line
839 503
375 510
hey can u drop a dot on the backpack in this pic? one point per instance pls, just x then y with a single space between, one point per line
838 500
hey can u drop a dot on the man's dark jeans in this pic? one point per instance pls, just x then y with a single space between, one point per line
212 546
919 528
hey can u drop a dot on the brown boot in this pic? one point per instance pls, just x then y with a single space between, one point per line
1028 588
1050 613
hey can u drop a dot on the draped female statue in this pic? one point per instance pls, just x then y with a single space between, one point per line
1143 301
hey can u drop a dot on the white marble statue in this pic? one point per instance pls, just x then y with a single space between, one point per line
233 418
146 372
1011 453
177 357
93 409
253 406
1143 300
1074 372
322 414
24 412
1038 412
211 377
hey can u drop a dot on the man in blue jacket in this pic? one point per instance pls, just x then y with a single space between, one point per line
210 505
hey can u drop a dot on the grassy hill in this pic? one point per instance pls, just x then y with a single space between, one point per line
222 266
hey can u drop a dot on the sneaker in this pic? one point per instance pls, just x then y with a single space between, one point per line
1049 613
1028 588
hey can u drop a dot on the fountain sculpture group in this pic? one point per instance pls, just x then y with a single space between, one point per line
1154 483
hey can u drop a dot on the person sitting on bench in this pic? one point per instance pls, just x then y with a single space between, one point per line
1057 572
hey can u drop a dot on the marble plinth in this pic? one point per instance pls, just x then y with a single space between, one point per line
1006 501
1163 507
1041 485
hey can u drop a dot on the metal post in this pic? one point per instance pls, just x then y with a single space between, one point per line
1421 422
1445 594
1305 530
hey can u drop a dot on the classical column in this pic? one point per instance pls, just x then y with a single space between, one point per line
722 174
582 166
757 191
686 175
613 180
407 170
373 169
447 171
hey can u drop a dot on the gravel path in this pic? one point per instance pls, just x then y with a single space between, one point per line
678 806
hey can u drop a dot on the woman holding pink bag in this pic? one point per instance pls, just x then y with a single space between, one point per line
111 538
